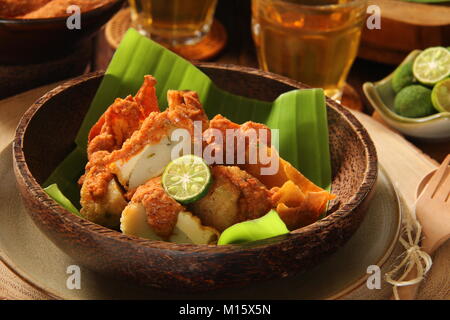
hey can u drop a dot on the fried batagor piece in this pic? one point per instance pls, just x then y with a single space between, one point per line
102 198
246 139
116 125
149 150
146 153
233 197
153 214
162 211
123 118
297 200
107 209
14 8
58 8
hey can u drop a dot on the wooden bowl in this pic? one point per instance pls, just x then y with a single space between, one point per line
31 41
45 136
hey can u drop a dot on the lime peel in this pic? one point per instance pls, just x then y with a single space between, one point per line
403 76
432 65
414 102
440 96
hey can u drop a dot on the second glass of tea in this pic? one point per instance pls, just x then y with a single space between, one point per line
312 41
173 22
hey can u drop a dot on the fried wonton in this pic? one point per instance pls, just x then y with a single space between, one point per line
58 8
297 200
14 8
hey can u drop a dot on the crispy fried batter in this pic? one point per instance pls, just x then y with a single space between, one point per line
146 96
234 196
246 138
184 108
297 200
123 118
101 199
162 211
14 8
96 178
117 124
124 130
106 210
58 8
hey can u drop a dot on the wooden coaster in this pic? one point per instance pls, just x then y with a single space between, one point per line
210 46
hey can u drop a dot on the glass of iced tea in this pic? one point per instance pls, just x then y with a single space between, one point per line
312 41
173 22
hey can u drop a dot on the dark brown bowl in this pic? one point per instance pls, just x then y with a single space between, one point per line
45 136
29 41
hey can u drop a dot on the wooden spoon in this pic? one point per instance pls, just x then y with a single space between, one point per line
433 213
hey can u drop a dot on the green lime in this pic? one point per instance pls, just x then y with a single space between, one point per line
440 96
414 102
187 179
432 65
403 76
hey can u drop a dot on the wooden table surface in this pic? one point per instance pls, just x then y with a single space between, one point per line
235 15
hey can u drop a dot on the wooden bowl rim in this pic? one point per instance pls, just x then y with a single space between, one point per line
31 22
23 173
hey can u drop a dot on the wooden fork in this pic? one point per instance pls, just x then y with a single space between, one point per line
433 213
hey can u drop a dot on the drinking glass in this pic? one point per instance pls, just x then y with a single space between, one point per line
312 41
173 22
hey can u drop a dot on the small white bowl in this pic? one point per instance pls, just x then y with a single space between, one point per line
380 94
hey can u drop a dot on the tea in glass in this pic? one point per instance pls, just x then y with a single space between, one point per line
173 22
312 41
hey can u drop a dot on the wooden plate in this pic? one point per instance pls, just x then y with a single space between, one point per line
35 258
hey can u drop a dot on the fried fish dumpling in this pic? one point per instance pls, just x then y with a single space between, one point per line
188 228
146 154
153 214
233 197
101 196
107 210
58 8
297 200
15 8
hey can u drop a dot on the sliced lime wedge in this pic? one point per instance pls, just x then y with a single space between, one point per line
432 65
440 96
187 179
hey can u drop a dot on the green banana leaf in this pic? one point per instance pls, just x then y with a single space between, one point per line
300 115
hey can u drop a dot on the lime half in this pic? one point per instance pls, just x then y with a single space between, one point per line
187 179
432 65
440 96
